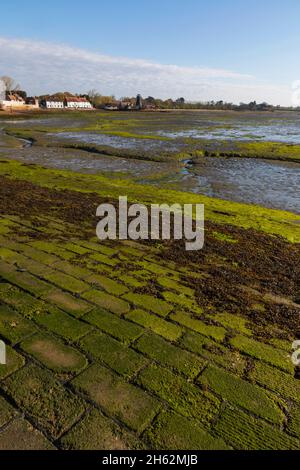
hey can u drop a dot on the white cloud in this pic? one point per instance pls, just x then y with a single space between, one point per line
46 67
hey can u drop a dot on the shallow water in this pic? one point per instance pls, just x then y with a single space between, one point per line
269 183
118 142
286 132
264 182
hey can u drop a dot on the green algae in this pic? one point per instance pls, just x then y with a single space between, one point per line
241 393
245 432
159 326
169 355
7 412
271 221
158 306
50 405
13 326
182 396
213 352
275 380
124 401
14 361
107 301
54 354
174 432
114 354
215 332
110 323
63 325
264 352
97 432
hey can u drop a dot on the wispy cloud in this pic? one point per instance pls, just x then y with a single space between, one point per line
47 67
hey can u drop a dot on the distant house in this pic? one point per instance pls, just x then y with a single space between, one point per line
32 103
125 106
51 103
75 102
18 101
12 101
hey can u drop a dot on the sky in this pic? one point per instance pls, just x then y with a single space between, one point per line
234 50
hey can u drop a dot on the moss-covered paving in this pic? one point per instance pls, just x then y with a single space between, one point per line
129 345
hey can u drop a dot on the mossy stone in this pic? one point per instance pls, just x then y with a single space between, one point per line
170 355
159 326
122 400
115 326
116 355
54 354
241 393
107 301
174 432
184 397
52 406
97 432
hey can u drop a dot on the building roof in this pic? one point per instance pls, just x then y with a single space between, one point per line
14 97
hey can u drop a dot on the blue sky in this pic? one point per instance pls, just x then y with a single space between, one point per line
231 49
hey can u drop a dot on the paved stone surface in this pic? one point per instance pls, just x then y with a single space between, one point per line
95 360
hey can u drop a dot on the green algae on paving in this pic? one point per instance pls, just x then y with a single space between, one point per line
107 301
53 353
169 355
109 285
7 412
51 406
174 432
67 302
175 285
215 332
148 302
214 352
21 435
293 426
182 301
118 398
114 354
115 326
63 325
241 393
24 303
182 396
159 326
271 221
24 280
14 361
52 248
275 380
101 258
245 432
64 281
13 326
224 237
233 322
264 352
97 432
72 269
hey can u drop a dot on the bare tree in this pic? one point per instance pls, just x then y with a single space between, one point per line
9 83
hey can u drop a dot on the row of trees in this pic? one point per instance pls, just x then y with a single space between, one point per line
101 101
